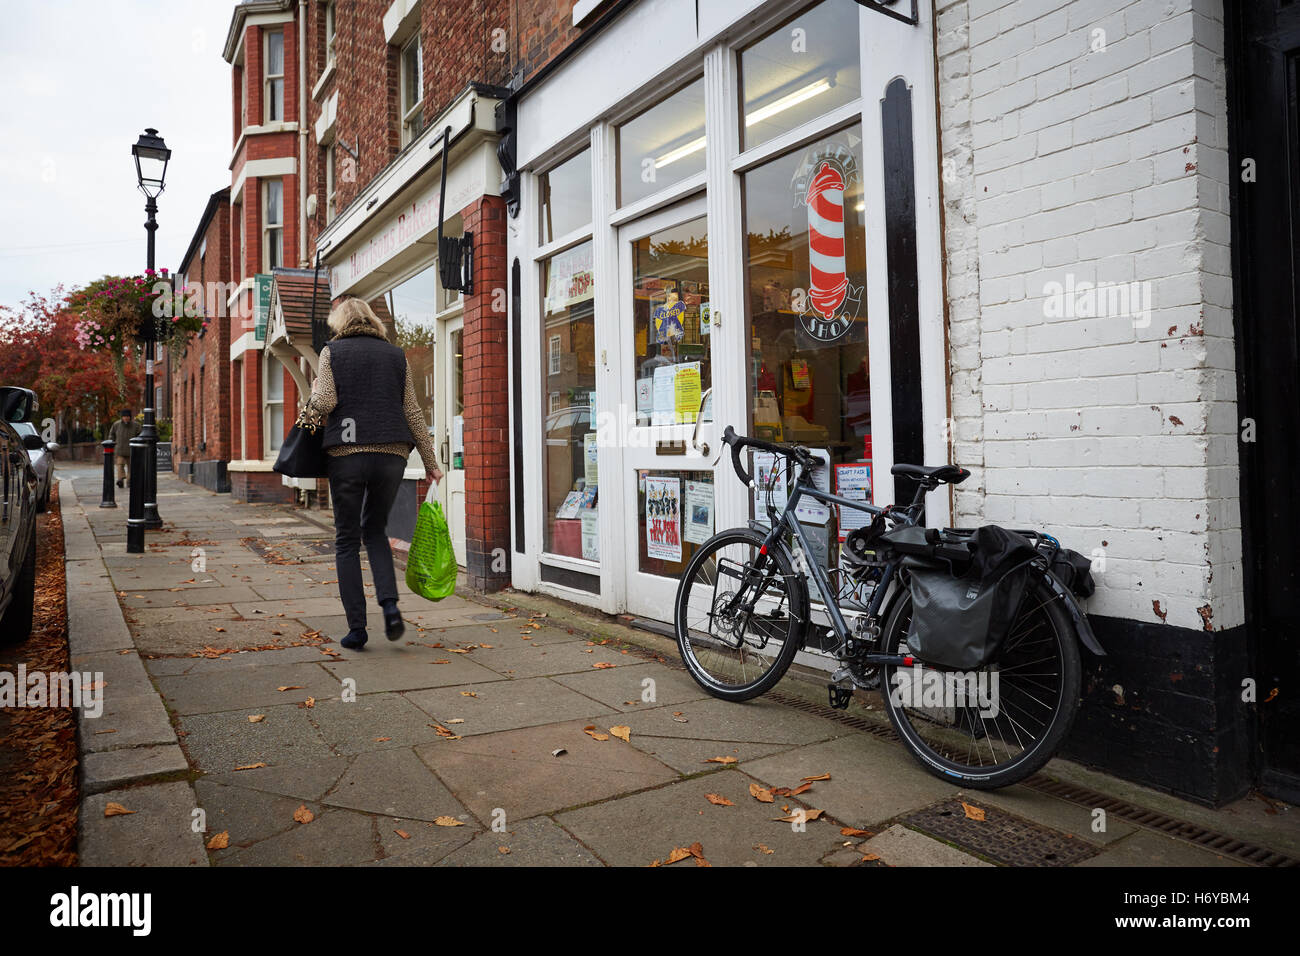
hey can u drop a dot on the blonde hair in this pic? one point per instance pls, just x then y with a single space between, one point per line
351 313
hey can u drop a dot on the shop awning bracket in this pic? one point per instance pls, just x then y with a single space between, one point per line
882 6
455 253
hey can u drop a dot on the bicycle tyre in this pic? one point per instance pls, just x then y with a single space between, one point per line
796 590
1040 599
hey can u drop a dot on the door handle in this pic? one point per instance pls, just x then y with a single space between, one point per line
442 455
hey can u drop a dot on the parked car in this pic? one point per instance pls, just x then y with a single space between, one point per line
17 517
42 458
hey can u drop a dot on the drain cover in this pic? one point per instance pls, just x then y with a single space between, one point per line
1000 836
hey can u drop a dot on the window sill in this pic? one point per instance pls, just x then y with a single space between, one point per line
325 76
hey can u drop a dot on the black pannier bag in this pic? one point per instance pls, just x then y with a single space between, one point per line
962 609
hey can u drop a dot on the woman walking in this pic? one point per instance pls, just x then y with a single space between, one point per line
365 395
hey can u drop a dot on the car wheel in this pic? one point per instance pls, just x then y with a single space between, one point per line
16 622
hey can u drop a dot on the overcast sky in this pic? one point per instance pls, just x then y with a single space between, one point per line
79 82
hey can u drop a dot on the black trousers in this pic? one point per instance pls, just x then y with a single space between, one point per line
363 486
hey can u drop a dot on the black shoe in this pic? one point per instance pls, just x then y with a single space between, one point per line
393 626
356 639
119 483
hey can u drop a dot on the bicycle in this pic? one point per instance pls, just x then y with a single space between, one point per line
744 610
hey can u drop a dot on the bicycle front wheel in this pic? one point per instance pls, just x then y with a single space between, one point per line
994 727
739 615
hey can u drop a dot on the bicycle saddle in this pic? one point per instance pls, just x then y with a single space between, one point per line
953 474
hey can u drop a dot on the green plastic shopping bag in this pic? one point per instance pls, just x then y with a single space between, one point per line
431 565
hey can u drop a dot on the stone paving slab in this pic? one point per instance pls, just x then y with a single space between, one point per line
157 833
681 814
507 705
622 687
372 722
871 780
1058 814
755 721
536 842
224 594
1145 848
109 769
224 690
526 659
899 846
334 838
125 721
248 816
691 756
218 743
192 665
515 771
393 783
410 672
308 781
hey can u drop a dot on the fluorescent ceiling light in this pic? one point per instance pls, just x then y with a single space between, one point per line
785 102
681 152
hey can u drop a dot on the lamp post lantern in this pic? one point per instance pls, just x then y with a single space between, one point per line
151 158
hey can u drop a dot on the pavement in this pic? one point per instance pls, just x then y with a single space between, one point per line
505 730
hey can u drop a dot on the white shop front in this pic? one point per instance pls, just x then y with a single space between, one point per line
740 197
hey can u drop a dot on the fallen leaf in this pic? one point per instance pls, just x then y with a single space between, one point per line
256 718
468 693
219 841
718 800
820 776
303 815
795 818
448 822
802 788
721 760
456 720
679 853
251 766
380 740
761 794
870 856
762 848
115 810
596 736
403 834
309 702
854 831
290 687
972 813
602 665
622 733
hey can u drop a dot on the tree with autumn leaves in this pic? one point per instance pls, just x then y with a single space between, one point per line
41 349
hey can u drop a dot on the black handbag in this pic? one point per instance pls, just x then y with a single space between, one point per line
303 454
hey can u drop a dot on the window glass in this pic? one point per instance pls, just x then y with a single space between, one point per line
565 197
275 373
411 309
412 91
671 330
274 223
274 77
805 270
663 145
571 476
675 514
800 71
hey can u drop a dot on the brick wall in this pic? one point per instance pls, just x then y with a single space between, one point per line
487 414
1068 162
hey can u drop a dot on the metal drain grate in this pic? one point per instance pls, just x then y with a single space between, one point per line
1151 820
1001 836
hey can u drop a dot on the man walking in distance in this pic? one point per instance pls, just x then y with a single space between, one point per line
123 430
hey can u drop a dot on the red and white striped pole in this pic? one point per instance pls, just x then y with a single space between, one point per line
825 201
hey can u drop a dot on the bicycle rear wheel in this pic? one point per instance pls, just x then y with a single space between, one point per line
1004 722
739 615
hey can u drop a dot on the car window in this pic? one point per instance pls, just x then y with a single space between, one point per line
24 428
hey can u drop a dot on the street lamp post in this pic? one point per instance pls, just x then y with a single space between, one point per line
151 157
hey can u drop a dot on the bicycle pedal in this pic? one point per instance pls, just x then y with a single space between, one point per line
839 696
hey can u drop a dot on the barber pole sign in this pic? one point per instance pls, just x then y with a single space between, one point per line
832 301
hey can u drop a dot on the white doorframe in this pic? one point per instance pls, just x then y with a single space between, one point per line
452 490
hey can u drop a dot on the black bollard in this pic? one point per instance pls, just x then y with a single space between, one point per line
135 519
109 500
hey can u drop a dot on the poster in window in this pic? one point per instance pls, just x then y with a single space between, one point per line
810 510
590 534
698 518
663 518
853 481
590 457
769 479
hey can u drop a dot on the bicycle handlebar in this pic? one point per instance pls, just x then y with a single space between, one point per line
739 442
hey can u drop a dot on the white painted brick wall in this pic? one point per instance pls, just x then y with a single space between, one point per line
1066 159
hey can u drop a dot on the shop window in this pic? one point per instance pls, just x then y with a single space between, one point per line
799 71
272 224
663 145
273 87
565 197
410 309
805 272
675 515
671 331
571 477
412 92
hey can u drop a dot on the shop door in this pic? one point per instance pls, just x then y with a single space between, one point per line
1264 114
666 347
452 450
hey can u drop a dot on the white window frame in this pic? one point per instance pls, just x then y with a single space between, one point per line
270 365
331 31
272 230
410 115
552 403
553 355
269 78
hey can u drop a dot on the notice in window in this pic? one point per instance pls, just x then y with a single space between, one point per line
663 518
698 517
853 482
